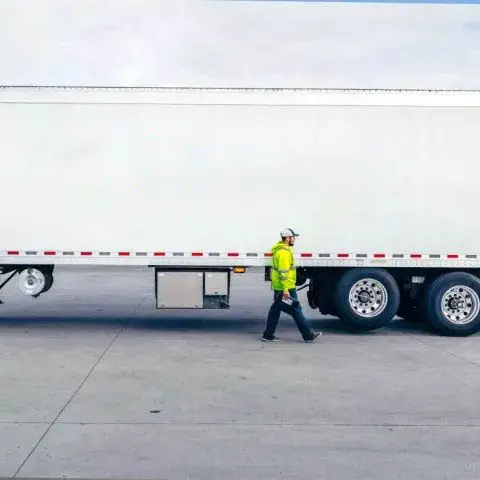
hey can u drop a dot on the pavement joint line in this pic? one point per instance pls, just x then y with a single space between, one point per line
21 422
82 383
242 424
309 424
86 478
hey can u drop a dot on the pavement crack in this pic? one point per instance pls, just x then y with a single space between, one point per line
45 433
140 305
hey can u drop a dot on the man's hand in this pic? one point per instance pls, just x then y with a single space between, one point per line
286 295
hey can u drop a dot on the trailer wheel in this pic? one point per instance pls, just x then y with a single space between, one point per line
31 281
367 299
34 281
452 304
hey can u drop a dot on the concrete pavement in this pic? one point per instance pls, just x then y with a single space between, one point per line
96 383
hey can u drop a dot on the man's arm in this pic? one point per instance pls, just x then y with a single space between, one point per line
284 265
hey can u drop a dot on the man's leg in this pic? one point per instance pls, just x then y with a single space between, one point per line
273 316
297 314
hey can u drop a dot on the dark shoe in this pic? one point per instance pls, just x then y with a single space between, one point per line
270 339
315 336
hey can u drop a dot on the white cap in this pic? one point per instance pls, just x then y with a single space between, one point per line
288 232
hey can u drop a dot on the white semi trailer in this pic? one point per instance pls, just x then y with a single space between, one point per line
197 184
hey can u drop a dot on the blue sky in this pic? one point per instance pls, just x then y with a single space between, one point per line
255 43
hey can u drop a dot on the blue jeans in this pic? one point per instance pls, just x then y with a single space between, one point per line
294 310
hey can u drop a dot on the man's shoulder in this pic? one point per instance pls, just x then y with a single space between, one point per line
282 250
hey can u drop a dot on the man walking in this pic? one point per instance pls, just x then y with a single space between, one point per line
284 285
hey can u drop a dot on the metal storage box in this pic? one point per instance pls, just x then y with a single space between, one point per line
216 283
180 290
187 289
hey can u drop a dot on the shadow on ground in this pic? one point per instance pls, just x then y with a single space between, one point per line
205 323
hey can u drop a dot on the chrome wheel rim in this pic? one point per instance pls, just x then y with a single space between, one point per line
460 305
31 281
368 298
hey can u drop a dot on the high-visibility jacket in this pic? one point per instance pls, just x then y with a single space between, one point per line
284 272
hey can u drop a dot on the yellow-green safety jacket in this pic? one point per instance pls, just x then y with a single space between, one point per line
284 272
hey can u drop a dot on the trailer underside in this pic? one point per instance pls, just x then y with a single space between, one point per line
363 297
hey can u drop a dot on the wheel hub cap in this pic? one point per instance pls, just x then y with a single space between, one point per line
460 305
368 298
364 297
456 303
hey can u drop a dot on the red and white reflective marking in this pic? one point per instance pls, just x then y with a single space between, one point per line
305 257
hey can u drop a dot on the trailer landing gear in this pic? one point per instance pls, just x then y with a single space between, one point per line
3 284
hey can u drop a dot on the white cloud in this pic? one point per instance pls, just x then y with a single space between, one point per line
221 43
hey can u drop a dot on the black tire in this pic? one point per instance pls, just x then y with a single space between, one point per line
355 319
433 304
48 282
301 277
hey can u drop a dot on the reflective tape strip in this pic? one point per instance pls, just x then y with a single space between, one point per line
305 256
